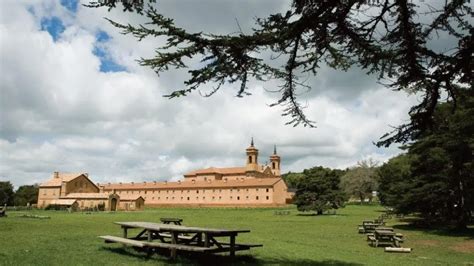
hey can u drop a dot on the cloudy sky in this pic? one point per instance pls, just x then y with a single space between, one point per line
73 99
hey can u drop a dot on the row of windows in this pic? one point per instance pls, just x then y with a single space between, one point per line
204 198
182 191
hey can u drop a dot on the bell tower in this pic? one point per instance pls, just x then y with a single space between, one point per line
252 158
275 162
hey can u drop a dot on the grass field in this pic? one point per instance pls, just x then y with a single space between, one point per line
295 239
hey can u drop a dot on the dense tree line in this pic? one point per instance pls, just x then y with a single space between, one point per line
435 178
24 195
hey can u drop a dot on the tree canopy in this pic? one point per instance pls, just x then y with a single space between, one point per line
27 194
390 38
436 177
6 193
360 181
319 190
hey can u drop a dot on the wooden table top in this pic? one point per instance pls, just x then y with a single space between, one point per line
179 228
385 228
384 232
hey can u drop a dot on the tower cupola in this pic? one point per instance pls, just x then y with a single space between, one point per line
275 162
252 157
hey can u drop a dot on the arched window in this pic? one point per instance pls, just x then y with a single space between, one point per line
273 165
250 159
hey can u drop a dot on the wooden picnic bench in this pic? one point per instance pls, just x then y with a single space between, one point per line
384 237
385 228
176 221
167 236
369 226
282 212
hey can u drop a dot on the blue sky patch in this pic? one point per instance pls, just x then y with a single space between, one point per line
53 25
107 64
70 5
102 36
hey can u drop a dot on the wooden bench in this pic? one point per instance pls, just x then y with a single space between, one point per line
146 245
176 221
282 213
125 241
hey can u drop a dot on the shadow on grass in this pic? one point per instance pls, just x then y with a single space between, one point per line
440 231
321 215
211 259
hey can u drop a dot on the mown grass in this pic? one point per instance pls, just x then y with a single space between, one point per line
295 239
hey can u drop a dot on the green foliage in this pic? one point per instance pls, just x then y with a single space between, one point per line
361 180
292 179
55 207
393 176
319 190
389 38
26 194
6 193
439 183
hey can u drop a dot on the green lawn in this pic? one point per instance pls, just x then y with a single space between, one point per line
71 239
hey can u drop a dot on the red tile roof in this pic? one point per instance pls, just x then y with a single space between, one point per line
87 196
67 202
215 170
129 197
56 182
188 184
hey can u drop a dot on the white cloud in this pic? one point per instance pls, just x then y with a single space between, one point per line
59 112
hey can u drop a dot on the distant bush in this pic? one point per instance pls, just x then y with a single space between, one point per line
55 207
21 208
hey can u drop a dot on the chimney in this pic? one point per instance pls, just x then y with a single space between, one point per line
131 183
56 174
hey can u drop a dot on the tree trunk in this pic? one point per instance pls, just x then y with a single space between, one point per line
319 212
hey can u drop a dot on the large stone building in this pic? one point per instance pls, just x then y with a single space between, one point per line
78 191
251 185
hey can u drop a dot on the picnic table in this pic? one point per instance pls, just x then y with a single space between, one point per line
369 226
384 237
177 237
176 221
385 228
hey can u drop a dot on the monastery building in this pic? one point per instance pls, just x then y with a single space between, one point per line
250 185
